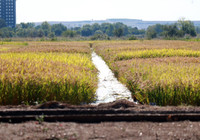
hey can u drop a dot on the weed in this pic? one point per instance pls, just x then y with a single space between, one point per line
40 119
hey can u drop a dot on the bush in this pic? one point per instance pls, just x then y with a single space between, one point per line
132 38
100 37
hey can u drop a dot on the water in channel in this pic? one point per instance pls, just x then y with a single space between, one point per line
109 88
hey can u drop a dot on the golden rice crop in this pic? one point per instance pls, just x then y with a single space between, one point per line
3 49
156 53
163 82
159 72
27 77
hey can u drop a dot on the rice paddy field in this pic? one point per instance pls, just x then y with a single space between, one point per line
35 72
157 72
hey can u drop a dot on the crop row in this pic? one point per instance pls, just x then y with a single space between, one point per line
154 53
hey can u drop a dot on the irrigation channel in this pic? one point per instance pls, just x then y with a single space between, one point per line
109 88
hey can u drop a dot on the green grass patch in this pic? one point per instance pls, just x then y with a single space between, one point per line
14 43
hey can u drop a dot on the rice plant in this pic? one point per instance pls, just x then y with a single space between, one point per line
28 77
158 71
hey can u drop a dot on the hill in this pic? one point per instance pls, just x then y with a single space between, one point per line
140 24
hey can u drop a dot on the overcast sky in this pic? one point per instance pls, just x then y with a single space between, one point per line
76 10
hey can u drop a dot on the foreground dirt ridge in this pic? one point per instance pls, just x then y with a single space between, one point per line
117 111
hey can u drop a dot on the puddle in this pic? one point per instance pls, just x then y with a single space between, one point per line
109 88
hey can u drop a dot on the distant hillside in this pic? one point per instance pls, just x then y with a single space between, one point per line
140 24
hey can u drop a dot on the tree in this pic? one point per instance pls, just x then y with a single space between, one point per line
151 32
69 33
118 32
107 28
46 27
99 35
98 32
2 23
40 33
51 35
27 25
86 30
122 26
198 30
95 27
187 27
154 31
172 31
134 30
77 29
58 29
6 32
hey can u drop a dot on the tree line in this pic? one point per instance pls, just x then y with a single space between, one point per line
95 31
102 31
182 28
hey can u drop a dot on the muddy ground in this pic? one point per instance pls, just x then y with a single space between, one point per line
103 130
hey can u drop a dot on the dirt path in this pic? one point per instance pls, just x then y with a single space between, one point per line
100 131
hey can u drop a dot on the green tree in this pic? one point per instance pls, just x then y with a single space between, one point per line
122 26
134 30
40 33
6 32
58 29
69 33
107 28
99 35
2 23
118 32
51 35
95 27
86 30
154 31
78 30
198 30
46 27
98 32
26 25
151 32
187 27
172 31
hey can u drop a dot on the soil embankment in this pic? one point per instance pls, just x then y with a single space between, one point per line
172 128
117 111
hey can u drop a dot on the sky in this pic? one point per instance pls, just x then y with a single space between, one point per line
78 10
